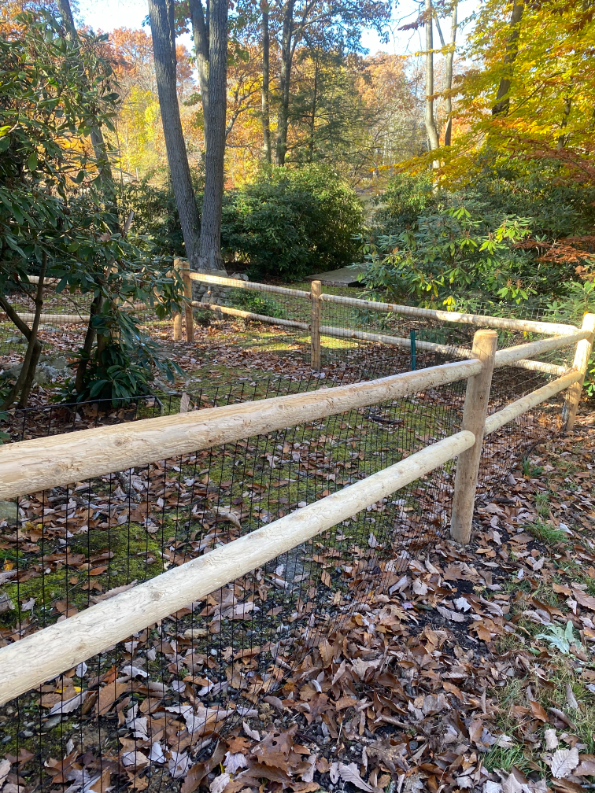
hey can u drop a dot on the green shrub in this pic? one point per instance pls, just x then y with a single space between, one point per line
405 199
454 251
258 304
290 223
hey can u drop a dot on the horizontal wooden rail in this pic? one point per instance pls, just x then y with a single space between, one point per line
49 652
547 328
509 355
540 366
52 319
395 341
237 312
516 409
34 279
43 463
67 319
236 283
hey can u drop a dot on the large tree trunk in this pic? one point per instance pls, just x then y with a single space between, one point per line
285 80
161 15
200 34
450 56
97 140
266 114
210 236
502 97
432 132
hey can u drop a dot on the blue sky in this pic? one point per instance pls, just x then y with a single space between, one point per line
109 14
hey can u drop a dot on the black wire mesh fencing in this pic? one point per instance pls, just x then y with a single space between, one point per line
149 706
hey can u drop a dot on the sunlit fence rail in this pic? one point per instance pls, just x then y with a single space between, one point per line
160 585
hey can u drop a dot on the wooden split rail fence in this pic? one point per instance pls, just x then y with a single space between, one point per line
40 464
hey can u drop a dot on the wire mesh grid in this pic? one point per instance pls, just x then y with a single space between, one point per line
151 704
141 712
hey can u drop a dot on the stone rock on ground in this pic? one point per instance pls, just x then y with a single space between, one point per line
48 369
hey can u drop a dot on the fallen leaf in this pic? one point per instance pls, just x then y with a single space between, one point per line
564 762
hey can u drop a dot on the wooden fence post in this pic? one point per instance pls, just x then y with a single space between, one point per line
474 417
177 314
581 363
188 305
315 305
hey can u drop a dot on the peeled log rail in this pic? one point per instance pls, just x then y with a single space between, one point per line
395 341
68 319
547 328
61 646
237 312
516 409
510 355
54 319
43 463
236 283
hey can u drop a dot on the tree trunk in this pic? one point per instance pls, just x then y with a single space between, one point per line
266 115
563 138
200 34
81 369
25 379
502 97
450 56
97 141
285 79
313 114
431 130
210 236
161 15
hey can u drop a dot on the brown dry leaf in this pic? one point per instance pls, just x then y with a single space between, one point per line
538 711
588 601
586 766
108 695
200 770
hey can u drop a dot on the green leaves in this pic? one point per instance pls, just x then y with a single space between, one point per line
455 249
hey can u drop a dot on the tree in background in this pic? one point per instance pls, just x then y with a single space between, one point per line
201 234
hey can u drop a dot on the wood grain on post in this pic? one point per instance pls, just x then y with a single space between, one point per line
188 304
315 292
41 656
42 463
474 418
177 314
580 364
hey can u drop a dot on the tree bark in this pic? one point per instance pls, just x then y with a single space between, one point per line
431 130
24 381
200 35
266 67
502 97
450 55
81 369
97 140
285 79
210 236
313 114
161 15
